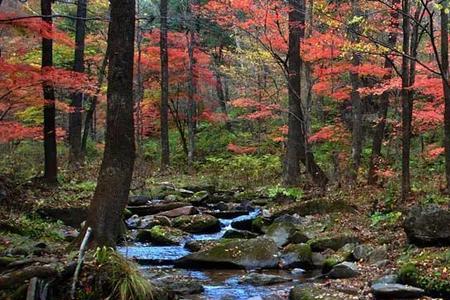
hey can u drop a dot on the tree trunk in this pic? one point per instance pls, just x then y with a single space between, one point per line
113 185
297 149
384 105
192 106
51 165
357 126
75 120
164 112
446 87
406 103
88 121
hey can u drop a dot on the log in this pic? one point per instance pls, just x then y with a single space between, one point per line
17 277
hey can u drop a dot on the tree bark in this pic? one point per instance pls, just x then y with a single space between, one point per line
75 118
446 87
192 105
164 110
406 103
384 105
113 185
50 151
357 126
297 148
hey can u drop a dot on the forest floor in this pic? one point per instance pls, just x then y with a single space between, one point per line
24 233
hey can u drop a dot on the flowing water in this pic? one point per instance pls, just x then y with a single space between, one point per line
157 261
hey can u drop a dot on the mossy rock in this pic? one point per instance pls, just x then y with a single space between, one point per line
427 269
200 197
343 254
334 242
246 254
297 256
162 235
281 232
259 224
313 207
197 223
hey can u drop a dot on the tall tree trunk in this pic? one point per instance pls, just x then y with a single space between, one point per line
406 102
297 149
75 118
446 87
384 104
164 111
113 185
357 120
192 105
51 165
139 88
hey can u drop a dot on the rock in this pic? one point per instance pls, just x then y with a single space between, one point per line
297 271
228 214
222 206
362 252
247 254
161 236
181 211
344 270
299 237
297 255
180 285
139 200
197 223
318 259
71 216
201 187
392 278
293 219
173 198
280 232
243 224
343 254
332 242
396 291
262 279
378 254
195 246
146 222
199 197
239 234
155 207
185 192
69 234
313 207
428 226
259 224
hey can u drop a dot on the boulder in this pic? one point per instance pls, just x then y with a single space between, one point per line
161 236
344 270
139 200
195 246
362 252
280 232
334 242
244 254
181 211
228 214
396 291
155 207
239 234
200 197
303 292
258 279
313 207
197 223
297 255
179 285
428 225
242 224
146 222
293 219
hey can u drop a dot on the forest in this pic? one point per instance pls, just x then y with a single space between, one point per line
224 149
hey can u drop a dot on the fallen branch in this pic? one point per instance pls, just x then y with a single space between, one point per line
13 278
80 261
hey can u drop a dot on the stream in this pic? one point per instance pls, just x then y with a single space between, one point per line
157 262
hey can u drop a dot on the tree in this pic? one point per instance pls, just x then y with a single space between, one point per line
297 147
50 151
75 120
446 88
192 105
164 110
113 185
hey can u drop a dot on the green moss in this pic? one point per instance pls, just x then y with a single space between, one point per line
427 269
